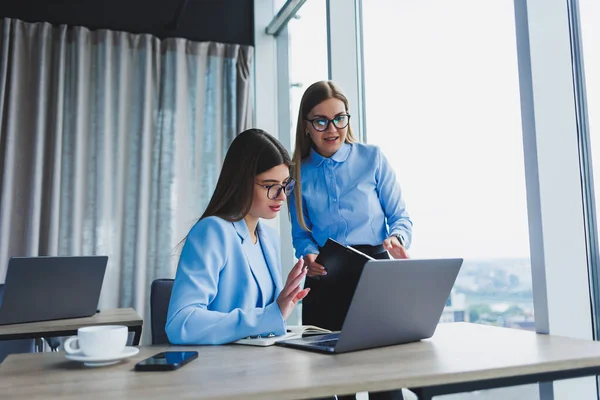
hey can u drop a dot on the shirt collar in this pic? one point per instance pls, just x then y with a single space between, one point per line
339 156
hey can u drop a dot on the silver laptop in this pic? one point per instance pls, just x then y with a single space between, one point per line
47 288
396 301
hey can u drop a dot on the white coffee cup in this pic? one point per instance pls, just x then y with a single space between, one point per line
98 341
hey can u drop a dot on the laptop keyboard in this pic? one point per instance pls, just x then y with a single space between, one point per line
326 343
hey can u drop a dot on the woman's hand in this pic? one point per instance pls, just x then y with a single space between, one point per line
314 269
291 292
396 250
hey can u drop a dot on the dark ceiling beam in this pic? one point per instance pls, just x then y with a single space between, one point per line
173 25
226 21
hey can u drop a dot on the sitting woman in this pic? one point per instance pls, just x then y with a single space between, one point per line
228 284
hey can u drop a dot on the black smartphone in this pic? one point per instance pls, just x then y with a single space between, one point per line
166 361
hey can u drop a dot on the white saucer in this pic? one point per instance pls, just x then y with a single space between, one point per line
127 352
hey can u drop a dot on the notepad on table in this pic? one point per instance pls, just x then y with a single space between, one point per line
293 332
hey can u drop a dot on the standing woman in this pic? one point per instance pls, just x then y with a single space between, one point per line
228 284
346 191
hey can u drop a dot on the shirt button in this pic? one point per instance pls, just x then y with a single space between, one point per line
334 199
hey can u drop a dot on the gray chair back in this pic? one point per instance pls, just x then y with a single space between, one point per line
160 295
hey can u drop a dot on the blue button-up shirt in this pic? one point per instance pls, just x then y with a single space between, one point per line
352 197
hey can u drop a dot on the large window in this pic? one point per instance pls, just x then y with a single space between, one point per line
442 100
589 11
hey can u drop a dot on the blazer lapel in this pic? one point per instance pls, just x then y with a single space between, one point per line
242 230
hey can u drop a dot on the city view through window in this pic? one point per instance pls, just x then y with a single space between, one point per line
443 104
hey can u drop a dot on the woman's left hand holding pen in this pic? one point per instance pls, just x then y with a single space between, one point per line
393 246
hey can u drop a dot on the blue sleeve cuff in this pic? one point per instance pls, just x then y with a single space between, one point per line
310 248
273 320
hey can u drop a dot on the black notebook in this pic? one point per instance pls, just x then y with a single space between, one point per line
327 304
341 262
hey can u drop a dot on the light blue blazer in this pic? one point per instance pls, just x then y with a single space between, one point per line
216 298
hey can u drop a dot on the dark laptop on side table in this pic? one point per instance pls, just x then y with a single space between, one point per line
51 288
396 301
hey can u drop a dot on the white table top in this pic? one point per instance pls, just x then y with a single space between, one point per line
458 352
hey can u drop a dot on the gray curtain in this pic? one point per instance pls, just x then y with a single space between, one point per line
111 144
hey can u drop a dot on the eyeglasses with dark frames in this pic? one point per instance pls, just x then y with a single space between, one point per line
321 123
273 191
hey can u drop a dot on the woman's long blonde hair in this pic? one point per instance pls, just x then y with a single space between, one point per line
313 96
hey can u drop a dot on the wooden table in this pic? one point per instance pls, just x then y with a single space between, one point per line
460 357
67 327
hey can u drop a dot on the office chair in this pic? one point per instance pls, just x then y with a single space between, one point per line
160 295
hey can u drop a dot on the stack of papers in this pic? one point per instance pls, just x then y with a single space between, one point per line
293 332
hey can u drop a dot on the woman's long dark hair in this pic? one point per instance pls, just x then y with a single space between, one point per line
251 153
